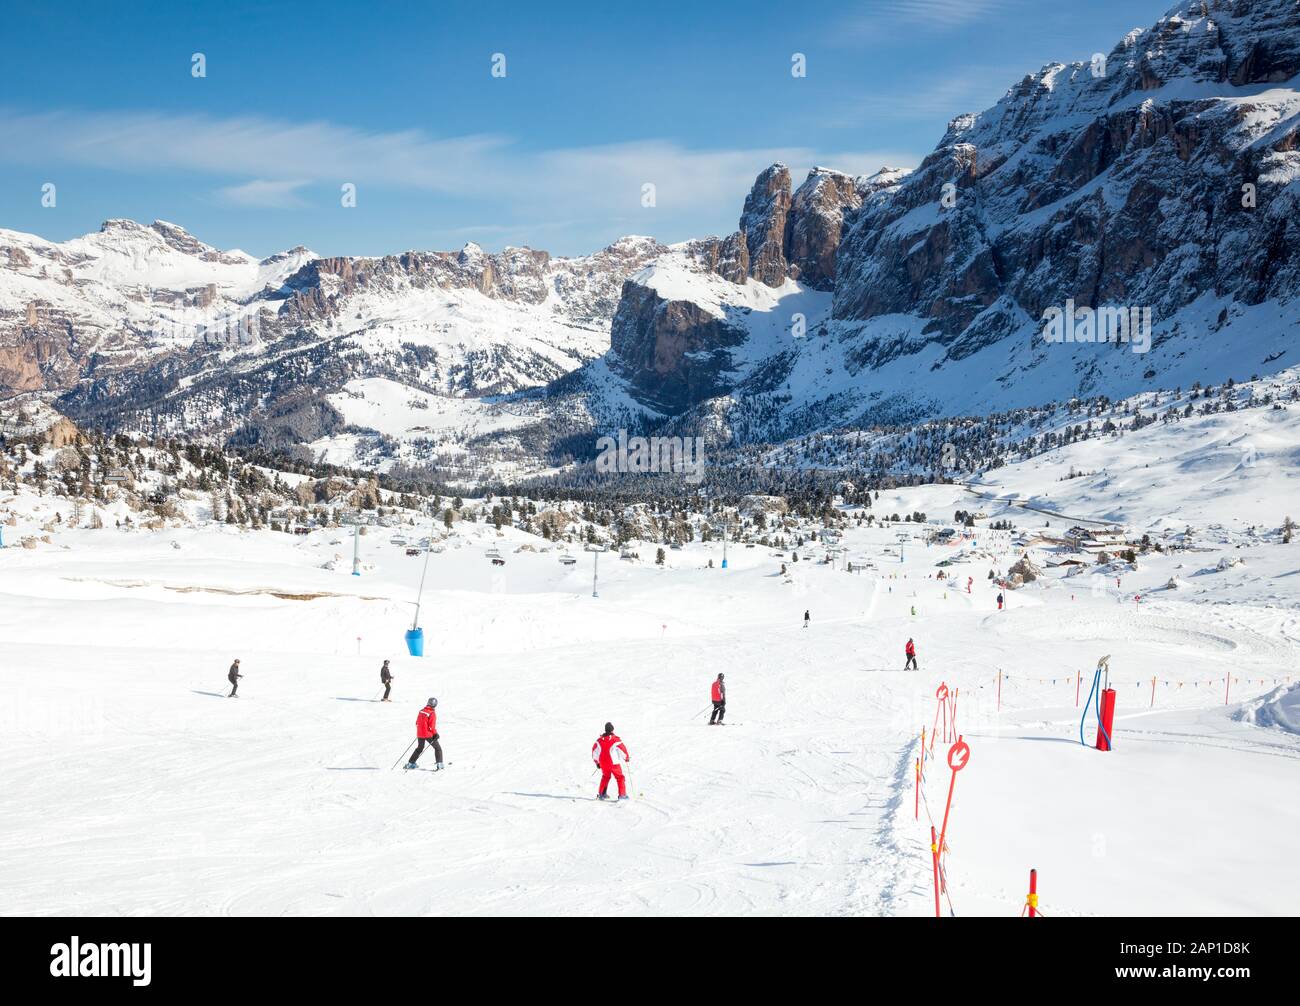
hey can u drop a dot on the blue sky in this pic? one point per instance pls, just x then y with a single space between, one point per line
399 100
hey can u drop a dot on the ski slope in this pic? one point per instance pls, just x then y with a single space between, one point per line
131 785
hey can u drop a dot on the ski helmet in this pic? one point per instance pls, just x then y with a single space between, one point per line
721 677
609 728
433 703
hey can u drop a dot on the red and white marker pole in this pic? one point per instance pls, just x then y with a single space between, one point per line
958 757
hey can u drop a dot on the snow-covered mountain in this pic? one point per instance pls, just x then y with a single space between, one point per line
1161 182
121 298
150 328
1165 176
1158 186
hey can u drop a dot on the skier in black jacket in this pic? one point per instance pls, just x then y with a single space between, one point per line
386 676
233 677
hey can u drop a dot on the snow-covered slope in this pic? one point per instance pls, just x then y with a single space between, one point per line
176 800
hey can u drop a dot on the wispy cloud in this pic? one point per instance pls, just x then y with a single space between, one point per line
970 89
266 162
264 194
250 146
881 20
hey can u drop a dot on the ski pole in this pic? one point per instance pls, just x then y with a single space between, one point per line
408 748
701 712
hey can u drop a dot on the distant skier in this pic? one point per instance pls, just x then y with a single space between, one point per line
999 602
426 729
969 581
719 696
910 650
386 676
233 677
806 618
607 753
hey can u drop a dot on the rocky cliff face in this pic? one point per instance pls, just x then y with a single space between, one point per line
817 214
797 236
672 353
679 330
763 222
324 285
1163 176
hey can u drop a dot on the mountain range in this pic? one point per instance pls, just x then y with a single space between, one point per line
1161 177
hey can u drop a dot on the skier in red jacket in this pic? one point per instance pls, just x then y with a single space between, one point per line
426 729
719 696
910 650
607 752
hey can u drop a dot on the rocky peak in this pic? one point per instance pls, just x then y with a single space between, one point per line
763 223
817 213
727 257
180 239
793 236
471 254
296 252
121 225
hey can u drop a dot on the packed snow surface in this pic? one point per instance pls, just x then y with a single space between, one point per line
131 784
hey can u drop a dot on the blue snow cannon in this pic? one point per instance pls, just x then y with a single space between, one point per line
415 642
